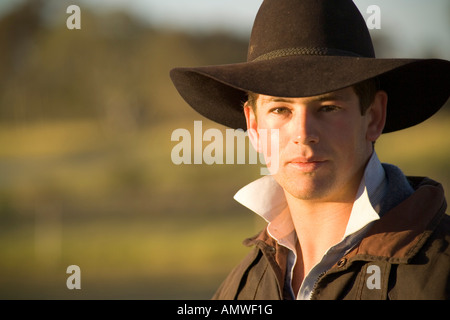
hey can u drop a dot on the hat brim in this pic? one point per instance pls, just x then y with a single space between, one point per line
416 88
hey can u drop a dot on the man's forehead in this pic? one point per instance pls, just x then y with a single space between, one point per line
345 94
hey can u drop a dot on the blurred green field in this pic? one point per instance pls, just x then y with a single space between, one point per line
136 224
139 226
423 150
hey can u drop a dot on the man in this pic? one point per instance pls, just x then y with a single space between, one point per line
341 225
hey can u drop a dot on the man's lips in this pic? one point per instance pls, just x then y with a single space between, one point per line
306 164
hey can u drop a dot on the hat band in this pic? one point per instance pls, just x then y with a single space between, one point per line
314 51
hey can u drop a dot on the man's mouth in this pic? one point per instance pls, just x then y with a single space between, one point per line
306 164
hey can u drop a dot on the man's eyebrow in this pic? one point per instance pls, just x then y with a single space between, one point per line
278 99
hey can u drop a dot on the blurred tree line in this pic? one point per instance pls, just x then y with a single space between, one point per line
114 68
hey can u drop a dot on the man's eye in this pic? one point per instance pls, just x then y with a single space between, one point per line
279 110
329 108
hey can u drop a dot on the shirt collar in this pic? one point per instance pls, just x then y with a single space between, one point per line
370 193
266 198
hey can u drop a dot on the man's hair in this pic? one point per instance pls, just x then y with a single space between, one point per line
365 91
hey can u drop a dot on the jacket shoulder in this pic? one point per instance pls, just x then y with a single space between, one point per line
230 287
427 277
254 278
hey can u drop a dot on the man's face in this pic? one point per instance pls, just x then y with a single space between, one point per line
323 141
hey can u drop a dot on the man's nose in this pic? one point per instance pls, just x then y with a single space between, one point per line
304 128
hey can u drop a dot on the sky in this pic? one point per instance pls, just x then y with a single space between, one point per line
408 25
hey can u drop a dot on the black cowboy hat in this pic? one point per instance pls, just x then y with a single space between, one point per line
301 48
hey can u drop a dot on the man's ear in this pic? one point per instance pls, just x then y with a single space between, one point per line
252 127
376 114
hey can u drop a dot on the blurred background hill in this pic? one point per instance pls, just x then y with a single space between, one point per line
86 176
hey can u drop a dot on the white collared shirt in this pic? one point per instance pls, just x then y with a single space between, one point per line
266 198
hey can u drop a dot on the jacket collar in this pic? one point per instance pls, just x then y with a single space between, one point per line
396 237
403 230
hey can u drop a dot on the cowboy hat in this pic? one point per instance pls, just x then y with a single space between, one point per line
301 48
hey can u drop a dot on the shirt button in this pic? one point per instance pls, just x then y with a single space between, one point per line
342 262
271 249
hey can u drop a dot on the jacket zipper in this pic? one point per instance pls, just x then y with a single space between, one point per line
316 284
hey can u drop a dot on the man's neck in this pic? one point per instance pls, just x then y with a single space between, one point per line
319 226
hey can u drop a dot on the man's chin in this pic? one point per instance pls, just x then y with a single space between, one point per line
307 188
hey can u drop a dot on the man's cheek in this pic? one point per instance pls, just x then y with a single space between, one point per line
271 146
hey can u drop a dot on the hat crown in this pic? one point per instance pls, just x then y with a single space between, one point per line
309 27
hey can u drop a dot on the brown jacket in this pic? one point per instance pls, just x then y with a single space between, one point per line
405 255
